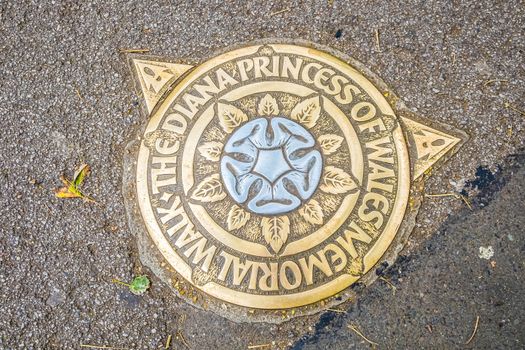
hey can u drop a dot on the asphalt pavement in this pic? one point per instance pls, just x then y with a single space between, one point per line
67 97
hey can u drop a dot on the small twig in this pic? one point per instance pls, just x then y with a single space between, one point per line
133 50
514 108
378 45
114 280
474 331
492 81
280 11
91 200
390 284
440 195
259 346
77 91
336 310
466 201
101 347
455 195
429 327
182 339
168 342
358 332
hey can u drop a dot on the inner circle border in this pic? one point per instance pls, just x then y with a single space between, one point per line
252 248
290 300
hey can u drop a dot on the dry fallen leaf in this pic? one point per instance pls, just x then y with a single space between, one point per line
72 189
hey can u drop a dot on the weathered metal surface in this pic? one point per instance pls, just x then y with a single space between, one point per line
274 176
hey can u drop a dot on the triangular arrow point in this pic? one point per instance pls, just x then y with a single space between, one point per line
431 145
153 77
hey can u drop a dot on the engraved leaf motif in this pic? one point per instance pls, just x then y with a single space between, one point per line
312 212
307 112
237 217
209 190
230 116
330 143
268 106
275 231
211 150
337 181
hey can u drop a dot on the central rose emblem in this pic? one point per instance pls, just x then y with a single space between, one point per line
270 166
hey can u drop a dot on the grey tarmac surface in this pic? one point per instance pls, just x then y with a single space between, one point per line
66 97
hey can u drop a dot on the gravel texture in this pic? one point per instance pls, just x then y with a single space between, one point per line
66 97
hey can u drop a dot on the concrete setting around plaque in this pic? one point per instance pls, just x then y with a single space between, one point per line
66 97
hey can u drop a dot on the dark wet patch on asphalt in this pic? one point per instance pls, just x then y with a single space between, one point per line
487 184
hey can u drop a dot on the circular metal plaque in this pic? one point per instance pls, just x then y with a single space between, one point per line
273 176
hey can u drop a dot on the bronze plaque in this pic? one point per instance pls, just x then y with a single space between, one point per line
275 175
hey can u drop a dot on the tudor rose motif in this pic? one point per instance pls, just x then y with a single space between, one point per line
276 157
